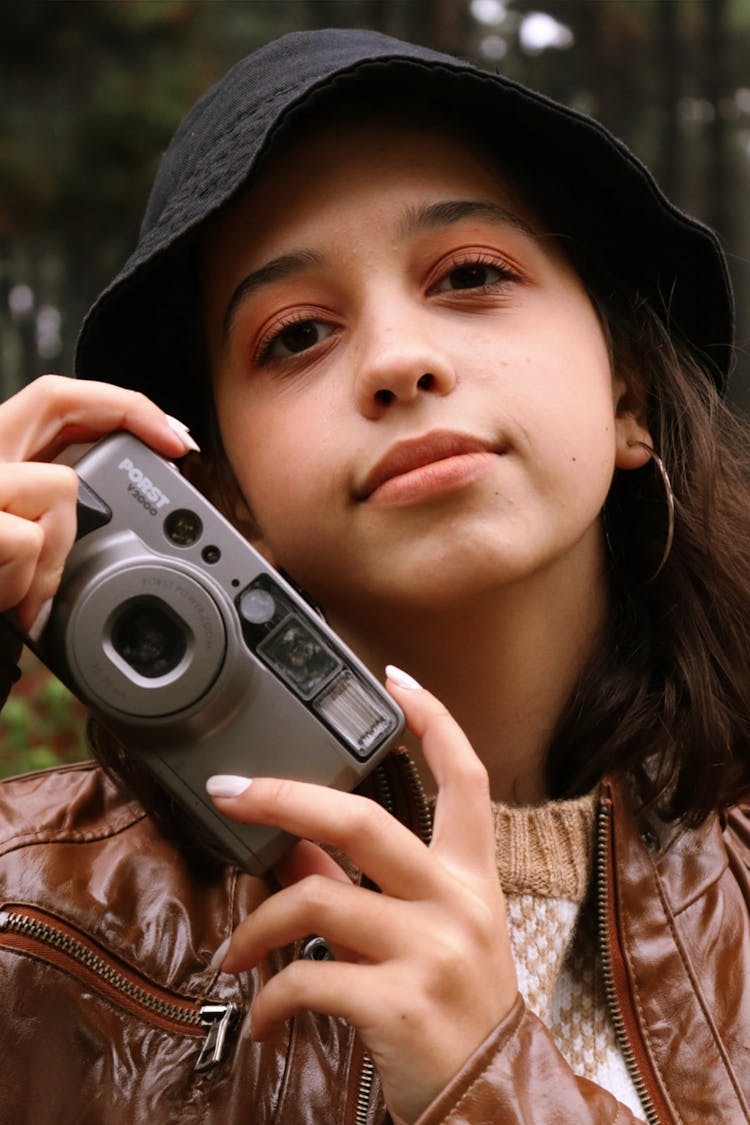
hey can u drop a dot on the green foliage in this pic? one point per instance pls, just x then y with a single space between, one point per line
41 725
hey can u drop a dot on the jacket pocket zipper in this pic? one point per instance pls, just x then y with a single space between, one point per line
33 932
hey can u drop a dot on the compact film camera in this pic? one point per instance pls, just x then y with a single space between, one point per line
197 655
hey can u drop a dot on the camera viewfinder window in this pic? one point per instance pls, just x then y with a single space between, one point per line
299 656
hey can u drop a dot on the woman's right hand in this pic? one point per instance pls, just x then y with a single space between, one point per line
38 499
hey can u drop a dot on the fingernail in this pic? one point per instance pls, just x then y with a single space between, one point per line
183 432
218 958
37 626
226 785
403 679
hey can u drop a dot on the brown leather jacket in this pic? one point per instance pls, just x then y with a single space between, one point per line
110 1014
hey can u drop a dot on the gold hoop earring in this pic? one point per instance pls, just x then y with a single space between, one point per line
670 507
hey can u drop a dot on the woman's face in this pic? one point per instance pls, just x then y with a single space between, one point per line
412 386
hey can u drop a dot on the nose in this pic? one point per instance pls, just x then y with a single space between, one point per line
400 363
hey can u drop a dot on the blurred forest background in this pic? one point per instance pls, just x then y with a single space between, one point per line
91 91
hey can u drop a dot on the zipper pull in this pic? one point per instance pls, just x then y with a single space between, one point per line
218 1020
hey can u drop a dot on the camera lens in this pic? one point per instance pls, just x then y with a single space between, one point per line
183 527
149 637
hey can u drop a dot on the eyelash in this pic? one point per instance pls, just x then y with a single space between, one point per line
480 260
262 354
459 261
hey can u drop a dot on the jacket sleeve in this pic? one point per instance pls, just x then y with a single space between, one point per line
518 1077
10 650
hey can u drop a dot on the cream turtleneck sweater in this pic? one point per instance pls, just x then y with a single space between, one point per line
544 858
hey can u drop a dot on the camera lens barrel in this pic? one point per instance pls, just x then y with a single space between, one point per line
162 644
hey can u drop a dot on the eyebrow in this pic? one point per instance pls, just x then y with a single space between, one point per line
275 270
431 216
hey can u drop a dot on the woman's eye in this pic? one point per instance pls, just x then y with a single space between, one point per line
471 275
296 338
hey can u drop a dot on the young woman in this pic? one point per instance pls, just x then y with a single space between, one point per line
455 365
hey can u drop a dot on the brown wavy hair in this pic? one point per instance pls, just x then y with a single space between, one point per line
666 698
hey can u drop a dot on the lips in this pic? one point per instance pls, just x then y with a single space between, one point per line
415 453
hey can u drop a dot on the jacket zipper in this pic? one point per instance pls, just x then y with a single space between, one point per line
32 931
423 817
364 1094
615 978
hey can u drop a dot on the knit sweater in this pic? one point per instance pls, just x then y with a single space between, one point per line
544 860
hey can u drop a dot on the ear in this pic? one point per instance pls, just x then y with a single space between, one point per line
631 431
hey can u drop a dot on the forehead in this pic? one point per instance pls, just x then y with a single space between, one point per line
335 162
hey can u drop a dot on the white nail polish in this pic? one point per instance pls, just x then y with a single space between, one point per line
218 957
41 619
403 679
226 785
183 432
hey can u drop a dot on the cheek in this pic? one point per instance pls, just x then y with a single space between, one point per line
567 414
278 479
269 482
587 446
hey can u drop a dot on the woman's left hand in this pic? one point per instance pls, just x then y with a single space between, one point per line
424 969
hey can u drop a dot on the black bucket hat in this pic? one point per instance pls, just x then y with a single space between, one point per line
142 331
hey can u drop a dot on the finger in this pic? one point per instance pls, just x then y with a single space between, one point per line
55 411
304 859
37 505
387 851
464 831
336 988
20 547
369 926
